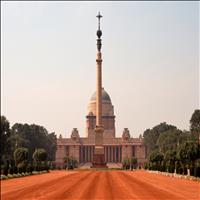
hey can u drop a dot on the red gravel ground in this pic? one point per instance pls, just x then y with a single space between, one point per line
99 185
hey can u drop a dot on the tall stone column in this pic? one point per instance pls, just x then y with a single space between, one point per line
99 90
99 159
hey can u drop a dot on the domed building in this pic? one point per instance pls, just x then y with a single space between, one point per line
100 114
116 148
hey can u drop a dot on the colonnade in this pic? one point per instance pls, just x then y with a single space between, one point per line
86 153
113 153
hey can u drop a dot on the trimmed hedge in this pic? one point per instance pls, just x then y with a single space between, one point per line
4 177
10 176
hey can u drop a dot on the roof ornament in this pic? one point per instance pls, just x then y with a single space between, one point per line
99 17
75 135
125 135
99 33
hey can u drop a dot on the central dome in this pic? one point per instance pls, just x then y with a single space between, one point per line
105 96
107 107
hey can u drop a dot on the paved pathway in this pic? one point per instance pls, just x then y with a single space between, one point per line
99 185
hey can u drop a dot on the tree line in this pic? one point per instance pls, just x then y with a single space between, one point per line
172 150
26 147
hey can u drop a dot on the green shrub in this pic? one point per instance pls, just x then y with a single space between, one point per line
4 177
45 171
52 166
126 163
35 172
15 175
23 174
10 176
21 157
146 165
27 173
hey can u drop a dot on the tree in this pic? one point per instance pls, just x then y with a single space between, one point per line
170 159
156 159
126 163
34 137
184 136
25 136
40 155
21 156
70 162
151 135
133 162
195 124
5 133
171 139
73 163
51 146
66 160
187 153
168 140
16 141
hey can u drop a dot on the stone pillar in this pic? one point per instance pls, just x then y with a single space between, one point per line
111 154
90 153
119 154
79 154
120 150
108 153
114 154
99 157
105 153
84 156
87 153
99 91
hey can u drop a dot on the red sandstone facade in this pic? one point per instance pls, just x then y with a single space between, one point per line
115 148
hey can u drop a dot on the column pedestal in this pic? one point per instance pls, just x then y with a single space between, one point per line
99 154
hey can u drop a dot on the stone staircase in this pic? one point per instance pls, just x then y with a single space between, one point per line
88 165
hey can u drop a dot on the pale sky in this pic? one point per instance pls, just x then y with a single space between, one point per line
150 62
